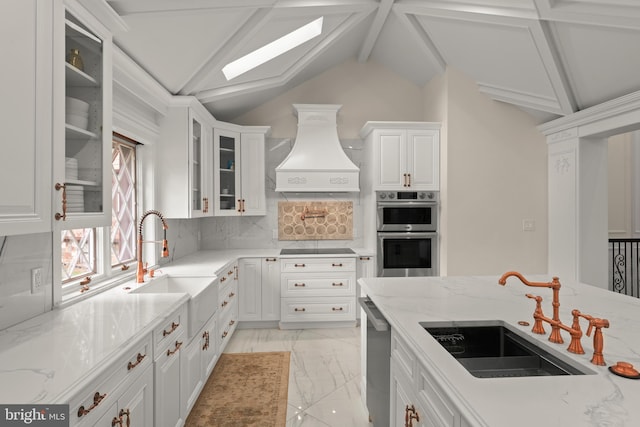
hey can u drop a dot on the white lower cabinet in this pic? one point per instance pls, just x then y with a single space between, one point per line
169 400
259 289
227 304
199 358
134 406
416 400
126 385
317 290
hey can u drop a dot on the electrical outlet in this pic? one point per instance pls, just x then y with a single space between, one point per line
528 225
36 280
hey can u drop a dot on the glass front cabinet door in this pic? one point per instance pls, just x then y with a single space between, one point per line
82 147
227 172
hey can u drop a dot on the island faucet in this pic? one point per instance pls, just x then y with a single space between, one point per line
555 336
165 245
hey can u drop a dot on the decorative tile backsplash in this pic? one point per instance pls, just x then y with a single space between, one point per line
315 220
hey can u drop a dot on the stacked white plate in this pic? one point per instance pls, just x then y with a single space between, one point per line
77 112
75 198
71 168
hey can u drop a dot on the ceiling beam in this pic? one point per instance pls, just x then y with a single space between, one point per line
374 31
138 7
220 57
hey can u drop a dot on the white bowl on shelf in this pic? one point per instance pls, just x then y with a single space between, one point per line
76 106
78 120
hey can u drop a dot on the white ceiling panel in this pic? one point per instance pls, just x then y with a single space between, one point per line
602 62
504 56
404 61
172 46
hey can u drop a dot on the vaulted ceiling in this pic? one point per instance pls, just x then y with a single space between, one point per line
550 57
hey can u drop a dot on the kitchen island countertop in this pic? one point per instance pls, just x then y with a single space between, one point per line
597 400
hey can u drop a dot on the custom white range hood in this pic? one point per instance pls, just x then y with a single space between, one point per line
317 162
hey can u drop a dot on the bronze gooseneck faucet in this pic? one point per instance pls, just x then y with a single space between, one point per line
556 325
555 285
165 245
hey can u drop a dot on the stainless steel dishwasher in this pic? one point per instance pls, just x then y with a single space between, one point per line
378 363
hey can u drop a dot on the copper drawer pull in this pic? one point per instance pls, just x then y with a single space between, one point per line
97 398
299 285
224 335
337 284
299 265
271 259
222 279
175 350
338 309
174 326
300 309
229 273
115 421
232 322
336 265
127 413
139 359
365 258
231 295
224 304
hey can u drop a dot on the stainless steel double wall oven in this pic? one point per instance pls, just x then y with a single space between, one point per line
407 223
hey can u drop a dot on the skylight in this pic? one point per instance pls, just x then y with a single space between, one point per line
273 49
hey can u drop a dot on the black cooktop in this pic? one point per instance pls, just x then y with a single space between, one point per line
316 251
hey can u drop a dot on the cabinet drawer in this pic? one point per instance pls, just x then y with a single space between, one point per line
317 284
317 309
226 326
172 326
435 402
403 355
228 299
291 265
92 401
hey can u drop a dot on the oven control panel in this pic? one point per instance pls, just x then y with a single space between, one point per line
425 196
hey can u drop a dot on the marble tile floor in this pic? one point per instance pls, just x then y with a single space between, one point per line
324 375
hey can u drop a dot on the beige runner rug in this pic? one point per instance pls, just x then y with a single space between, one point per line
244 389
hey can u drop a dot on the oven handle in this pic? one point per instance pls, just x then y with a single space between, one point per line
407 234
377 320
405 203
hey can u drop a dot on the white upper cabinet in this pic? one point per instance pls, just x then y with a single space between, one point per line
183 167
406 155
239 170
26 27
82 105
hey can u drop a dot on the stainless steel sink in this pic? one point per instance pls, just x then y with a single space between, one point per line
493 349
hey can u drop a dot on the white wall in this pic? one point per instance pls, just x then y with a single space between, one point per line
494 176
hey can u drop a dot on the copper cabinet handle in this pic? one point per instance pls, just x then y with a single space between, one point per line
175 350
410 414
97 398
405 179
139 359
63 215
299 285
409 176
337 308
336 265
271 259
174 326
222 279
232 322
224 303
337 284
115 421
365 258
300 309
229 273
127 413
231 295
299 265
84 284
225 333
242 206
239 206
205 336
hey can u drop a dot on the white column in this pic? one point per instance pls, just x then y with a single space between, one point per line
578 204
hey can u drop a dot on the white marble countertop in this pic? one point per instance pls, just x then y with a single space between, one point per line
597 400
47 358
